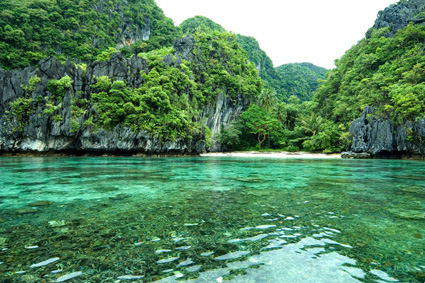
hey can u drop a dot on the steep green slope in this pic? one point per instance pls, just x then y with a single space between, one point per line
384 72
190 25
287 80
161 98
256 55
34 29
376 94
301 79
264 65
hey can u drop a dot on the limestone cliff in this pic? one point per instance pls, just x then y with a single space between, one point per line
384 138
34 130
42 133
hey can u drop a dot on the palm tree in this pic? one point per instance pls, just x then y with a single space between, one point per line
311 124
280 112
267 99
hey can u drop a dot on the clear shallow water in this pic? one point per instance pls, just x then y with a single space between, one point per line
211 220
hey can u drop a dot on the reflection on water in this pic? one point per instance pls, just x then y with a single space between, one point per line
211 220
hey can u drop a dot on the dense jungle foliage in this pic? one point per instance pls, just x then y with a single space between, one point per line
170 103
290 126
34 29
300 79
283 117
387 73
380 71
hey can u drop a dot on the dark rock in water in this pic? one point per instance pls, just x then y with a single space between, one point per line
26 211
119 197
106 189
40 203
383 138
355 155
412 214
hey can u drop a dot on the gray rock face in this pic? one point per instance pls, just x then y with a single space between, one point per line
398 16
383 138
223 109
42 133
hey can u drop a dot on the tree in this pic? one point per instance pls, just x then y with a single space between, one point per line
260 123
311 123
267 99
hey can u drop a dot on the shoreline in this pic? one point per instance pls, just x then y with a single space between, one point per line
283 154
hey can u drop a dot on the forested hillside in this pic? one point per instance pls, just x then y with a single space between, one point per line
386 71
301 79
160 93
31 30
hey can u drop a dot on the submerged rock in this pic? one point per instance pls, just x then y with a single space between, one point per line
167 260
409 214
26 211
55 223
355 155
41 203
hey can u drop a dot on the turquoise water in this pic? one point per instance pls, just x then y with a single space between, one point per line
211 220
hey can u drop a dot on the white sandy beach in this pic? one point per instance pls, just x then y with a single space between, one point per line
283 154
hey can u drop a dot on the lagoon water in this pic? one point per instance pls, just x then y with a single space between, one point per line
211 220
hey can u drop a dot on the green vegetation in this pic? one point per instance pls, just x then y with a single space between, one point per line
168 105
20 110
161 107
200 23
264 65
290 126
34 29
300 79
384 72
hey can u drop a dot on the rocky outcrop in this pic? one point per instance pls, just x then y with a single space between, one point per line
398 16
221 111
131 31
355 155
38 132
43 134
382 138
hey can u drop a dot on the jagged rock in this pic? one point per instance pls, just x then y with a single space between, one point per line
43 134
398 16
119 68
184 47
220 113
223 109
383 138
355 155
